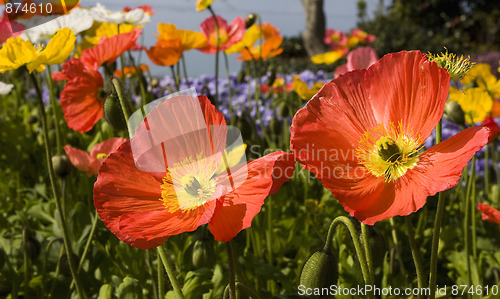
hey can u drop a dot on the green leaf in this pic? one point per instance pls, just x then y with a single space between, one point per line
129 289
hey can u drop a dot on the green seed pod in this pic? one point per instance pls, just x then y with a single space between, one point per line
32 246
270 80
32 119
113 113
453 112
2 258
61 164
284 109
319 271
241 77
64 265
250 20
203 253
376 241
5 286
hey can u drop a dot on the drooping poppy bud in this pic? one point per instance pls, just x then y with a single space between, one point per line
320 270
250 20
61 165
203 253
453 112
113 113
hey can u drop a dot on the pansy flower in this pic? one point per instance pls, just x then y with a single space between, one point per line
90 163
489 213
81 99
362 136
178 187
228 34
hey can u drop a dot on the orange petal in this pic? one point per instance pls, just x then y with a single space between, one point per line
264 177
405 87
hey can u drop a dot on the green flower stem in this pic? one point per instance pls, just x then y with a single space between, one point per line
398 248
169 268
230 104
53 103
468 209
246 289
161 279
48 156
119 92
216 54
357 245
141 79
26 264
232 272
87 246
368 253
176 79
415 252
437 226
487 170
184 70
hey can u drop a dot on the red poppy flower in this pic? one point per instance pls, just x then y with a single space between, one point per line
362 136
91 163
493 126
360 58
143 208
228 35
488 213
80 99
9 29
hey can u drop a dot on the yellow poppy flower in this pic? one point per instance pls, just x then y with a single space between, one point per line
203 4
481 75
17 52
251 36
475 102
328 57
301 88
189 39
95 34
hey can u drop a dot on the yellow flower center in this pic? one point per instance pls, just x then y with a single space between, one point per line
389 151
189 184
222 37
101 155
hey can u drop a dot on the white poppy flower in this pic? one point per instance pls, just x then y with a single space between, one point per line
136 17
5 88
77 20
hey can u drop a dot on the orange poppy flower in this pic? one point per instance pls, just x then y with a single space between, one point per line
130 71
171 44
91 163
270 46
228 35
179 189
80 98
363 132
488 213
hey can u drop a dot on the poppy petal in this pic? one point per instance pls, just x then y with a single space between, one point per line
488 213
438 169
122 189
80 159
405 87
264 176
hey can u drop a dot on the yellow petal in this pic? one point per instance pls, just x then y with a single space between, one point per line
15 53
251 36
203 4
233 158
328 57
167 31
475 102
191 39
57 50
